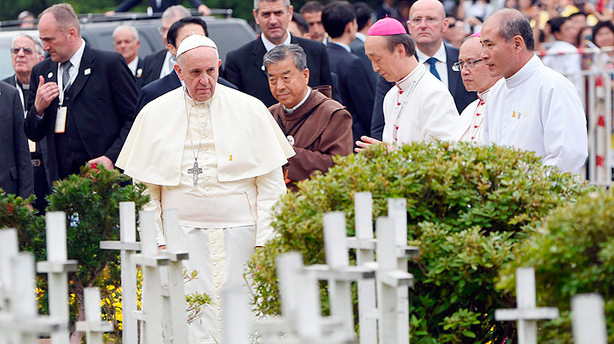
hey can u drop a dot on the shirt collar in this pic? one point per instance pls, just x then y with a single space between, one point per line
268 45
291 110
483 95
344 46
75 60
404 83
361 36
524 73
132 65
440 54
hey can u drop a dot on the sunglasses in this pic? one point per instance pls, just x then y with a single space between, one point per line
26 50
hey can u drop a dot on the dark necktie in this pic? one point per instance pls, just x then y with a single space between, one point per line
65 74
432 62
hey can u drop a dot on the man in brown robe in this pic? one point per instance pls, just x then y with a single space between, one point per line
317 126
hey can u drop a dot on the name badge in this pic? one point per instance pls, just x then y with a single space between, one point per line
60 120
32 146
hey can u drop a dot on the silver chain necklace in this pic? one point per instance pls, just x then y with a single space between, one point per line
194 170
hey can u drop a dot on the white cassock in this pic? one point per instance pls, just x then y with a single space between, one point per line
228 212
471 124
418 108
539 110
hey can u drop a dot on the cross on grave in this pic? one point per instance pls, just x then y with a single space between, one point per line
57 268
397 212
195 171
392 286
93 326
127 246
152 299
9 247
338 271
527 314
301 321
174 295
21 323
364 244
588 319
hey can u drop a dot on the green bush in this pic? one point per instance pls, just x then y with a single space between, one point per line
467 208
572 252
91 203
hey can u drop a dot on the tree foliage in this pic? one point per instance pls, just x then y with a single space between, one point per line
572 252
467 208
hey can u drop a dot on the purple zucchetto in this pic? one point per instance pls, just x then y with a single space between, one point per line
386 27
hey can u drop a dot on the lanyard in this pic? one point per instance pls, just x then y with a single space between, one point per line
296 125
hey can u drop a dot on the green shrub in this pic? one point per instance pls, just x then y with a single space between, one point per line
467 208
572 252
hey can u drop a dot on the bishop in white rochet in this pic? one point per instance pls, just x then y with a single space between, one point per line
215 155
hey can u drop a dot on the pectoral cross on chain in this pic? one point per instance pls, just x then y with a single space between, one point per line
195 171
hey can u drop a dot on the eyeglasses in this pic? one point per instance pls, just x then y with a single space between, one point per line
458 66
429 21
26 50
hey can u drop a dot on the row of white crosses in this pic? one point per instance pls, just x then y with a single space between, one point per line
588 316
163 314
382 285
19 318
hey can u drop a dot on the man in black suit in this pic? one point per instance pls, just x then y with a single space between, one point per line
363 19
26 52
356 82
160 63
81 100
427 24
126 42
244 66
15 165
181 29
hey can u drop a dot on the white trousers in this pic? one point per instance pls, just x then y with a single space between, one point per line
220 256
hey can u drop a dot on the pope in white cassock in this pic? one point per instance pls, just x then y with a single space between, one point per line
532 107
215 155
419 107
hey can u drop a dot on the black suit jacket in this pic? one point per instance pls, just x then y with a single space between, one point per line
16 176
165 85
101 101
152 66
140 74
461 96
11 80
244 67
356 87
127 5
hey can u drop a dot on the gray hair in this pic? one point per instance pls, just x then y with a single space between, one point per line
132 29
176 11
281 52
257 3
38 44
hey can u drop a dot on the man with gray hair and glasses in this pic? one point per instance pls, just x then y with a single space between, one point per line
160 64
27 51
317 126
